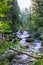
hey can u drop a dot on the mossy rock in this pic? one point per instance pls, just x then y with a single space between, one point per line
30 40
41 36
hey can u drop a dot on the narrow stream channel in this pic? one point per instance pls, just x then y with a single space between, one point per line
35 46
32 46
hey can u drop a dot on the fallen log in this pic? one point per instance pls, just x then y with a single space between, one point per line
25 53
13 52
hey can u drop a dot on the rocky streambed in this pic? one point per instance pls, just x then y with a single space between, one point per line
30 47
27 51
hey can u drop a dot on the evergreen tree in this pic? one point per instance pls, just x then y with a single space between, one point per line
14 16
37 14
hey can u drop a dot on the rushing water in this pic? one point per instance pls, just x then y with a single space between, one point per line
32 46
36 44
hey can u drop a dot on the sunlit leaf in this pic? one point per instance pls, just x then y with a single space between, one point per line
2 15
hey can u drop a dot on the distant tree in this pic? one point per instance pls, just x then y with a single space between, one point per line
14 16
37 12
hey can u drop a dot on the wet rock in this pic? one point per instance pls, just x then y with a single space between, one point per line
23 56
36 35
26 44
7 55
22 60
30 40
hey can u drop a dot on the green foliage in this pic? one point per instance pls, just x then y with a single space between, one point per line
5 62
4 16
4 45
10 20
35 18
14 16
41 36
38 62
37 12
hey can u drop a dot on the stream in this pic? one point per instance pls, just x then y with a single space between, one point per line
35 46
31 46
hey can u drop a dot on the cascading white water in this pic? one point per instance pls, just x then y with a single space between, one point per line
24 36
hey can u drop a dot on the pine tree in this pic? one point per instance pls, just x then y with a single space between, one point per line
37 13
14 16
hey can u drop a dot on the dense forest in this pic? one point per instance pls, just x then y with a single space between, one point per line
21 33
